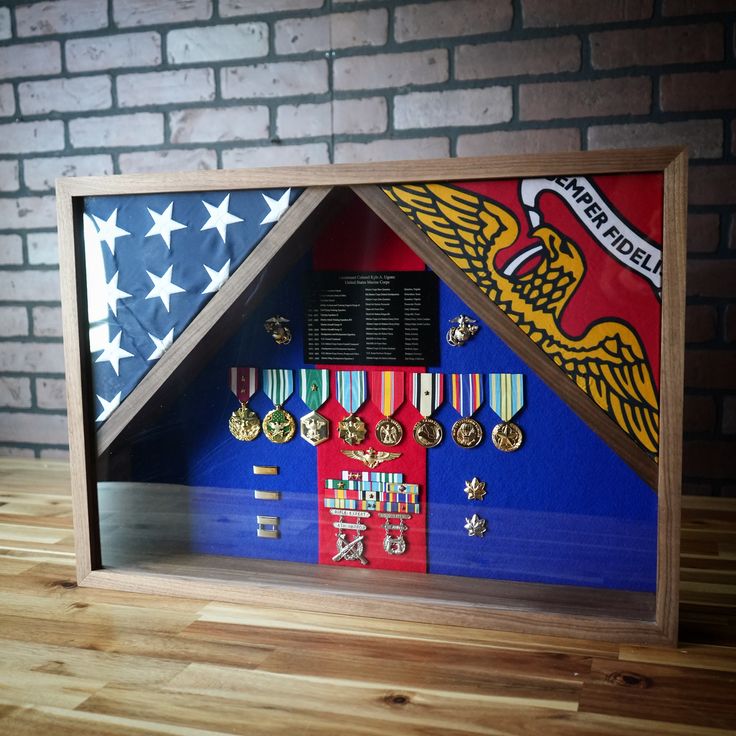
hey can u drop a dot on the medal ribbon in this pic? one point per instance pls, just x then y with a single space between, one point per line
278 384
314 387
506 394
244 383
427 392
467 393
350 389
387 391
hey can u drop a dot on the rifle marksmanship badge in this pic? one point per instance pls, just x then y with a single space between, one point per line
387 393
244 423
350 391
467 397
427 395
314 390
278 425
506 397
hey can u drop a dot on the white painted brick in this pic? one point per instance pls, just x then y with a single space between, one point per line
54 454
304 121
155 12
40 174
219 124
217 43
7 100
704 138
15 393
179 159
60 16
31 357
390 70
499 142
6 451
30 59
455 107
161 88
113 52
452 18
335 31
46 321
142 128
43 249
47 429
65 95
42 135
28 213
11 250
366 115
30 285
231 8
9 176
279 79
51 393
392 150
244 158
13 322
5 29
302 35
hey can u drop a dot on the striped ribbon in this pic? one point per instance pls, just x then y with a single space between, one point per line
506 394
373 496
467 393
244 383
278 384
427 392
387 390
371 485
350 389
397 508
372 475
314 387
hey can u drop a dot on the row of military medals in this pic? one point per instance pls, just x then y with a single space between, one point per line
387 392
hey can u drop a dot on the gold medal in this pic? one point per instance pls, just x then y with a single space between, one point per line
314 428
507 436
352 429
428 432
244 424
389 432
279 426
467 432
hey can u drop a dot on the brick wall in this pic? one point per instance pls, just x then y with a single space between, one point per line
121 86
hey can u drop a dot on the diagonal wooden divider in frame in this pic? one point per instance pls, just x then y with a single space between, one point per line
218 319
500 323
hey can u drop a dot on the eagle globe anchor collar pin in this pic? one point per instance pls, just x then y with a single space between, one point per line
465 328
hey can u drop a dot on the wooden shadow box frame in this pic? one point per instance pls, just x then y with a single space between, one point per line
514 606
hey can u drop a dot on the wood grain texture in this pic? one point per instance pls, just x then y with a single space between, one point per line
88 662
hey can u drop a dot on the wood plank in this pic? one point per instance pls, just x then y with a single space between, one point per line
495 167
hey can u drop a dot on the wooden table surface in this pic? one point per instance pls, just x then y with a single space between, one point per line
94 662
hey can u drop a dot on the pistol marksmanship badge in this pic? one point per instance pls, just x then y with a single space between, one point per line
314 390
244 423
350 391
278 425
465 328
506 399
467 397
387 393
395 545
279 330
427 395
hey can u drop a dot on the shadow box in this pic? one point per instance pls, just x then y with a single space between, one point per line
444 391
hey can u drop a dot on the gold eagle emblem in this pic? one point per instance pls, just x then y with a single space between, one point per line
371 457
607 361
